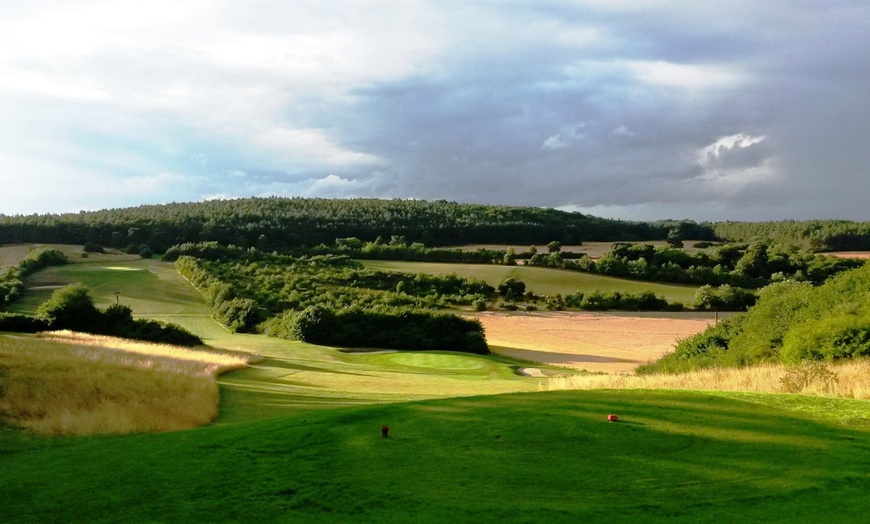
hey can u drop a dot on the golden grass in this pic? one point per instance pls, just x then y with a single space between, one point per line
67 383
852 380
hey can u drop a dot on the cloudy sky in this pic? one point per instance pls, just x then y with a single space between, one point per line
647 109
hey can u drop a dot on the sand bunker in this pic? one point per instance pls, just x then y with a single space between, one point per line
604 342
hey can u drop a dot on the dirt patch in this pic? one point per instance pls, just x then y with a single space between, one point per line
850 254
603 342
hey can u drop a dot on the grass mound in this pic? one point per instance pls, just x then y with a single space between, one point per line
545 457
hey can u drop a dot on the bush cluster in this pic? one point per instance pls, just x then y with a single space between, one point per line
71 307
12 278
380 328
791 322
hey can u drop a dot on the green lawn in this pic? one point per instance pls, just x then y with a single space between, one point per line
543 281
542 457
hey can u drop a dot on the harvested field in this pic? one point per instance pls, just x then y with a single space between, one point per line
12 255
601 342
850 254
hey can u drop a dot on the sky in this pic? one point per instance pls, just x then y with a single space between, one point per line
640 110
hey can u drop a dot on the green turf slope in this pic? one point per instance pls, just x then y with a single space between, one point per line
541 457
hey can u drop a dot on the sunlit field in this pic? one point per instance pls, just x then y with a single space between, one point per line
66 383
609 342
540 280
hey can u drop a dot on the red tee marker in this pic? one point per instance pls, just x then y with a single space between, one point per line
612 418
385 431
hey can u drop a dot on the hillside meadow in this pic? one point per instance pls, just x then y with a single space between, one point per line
542 281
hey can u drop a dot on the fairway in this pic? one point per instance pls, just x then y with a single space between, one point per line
542 281
543 457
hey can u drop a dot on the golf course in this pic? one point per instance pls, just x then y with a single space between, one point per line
297 437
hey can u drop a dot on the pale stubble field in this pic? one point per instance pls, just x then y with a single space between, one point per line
610 342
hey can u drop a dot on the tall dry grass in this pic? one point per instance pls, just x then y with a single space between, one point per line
850 380
79 384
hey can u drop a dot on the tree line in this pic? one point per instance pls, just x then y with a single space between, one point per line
284 223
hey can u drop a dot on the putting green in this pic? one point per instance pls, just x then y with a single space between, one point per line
436 361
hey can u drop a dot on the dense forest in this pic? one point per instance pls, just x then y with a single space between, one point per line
811 235
282 223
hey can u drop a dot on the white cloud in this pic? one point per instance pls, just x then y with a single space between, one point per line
685 76
621 131
736 161
554 142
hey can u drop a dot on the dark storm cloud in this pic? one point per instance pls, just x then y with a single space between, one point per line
645 109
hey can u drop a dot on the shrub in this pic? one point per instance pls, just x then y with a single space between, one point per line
72 307
808 373
834 338
21 323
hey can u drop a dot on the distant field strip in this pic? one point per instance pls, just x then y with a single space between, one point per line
544 281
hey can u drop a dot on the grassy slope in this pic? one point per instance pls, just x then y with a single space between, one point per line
294 376
527 457
548 457
545 281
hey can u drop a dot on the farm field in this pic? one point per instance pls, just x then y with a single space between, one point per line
613 342
850 254
12 255
543 281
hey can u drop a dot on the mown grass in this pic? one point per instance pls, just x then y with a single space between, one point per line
543 281
544 457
